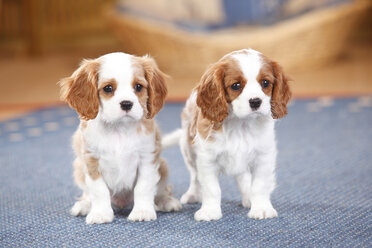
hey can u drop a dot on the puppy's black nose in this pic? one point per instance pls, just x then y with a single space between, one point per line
255 103
126 105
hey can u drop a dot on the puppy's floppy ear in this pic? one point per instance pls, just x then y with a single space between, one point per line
211 97
281 93
157 89
80 89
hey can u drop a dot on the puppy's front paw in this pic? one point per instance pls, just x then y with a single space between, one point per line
142 215
99 216
208 214
168 204
263 212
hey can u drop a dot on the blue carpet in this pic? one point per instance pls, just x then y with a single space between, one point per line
324 193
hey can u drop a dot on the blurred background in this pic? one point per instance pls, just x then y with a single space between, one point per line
324 45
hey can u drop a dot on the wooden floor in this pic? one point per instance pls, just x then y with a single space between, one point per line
28 83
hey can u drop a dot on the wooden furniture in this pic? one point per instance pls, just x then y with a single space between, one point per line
37 25
311 39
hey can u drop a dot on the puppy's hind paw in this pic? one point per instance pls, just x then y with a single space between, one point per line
80 208
190 198
208 214
246 203
168 204
142 215
262 213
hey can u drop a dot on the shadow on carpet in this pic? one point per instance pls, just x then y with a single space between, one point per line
324 193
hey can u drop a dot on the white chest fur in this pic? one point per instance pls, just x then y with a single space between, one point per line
239 144
119 150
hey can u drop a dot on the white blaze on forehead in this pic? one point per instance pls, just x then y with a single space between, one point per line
250 63
117 66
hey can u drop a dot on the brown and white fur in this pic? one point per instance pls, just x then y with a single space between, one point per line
228 126
118 144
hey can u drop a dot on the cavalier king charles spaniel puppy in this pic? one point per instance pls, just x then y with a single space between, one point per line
117 143
228 126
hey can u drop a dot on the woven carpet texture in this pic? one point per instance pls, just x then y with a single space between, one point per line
323 198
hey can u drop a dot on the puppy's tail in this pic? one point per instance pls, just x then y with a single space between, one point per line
172 138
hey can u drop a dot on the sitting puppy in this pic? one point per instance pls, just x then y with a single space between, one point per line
228 126
118 144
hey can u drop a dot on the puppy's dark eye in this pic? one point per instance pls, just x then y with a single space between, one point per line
236 86
138 87
265 83
108 89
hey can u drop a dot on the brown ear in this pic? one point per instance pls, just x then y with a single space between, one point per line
211 97
281 93
80 90
157 89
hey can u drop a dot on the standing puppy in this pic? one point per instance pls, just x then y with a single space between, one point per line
228 125
118 144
